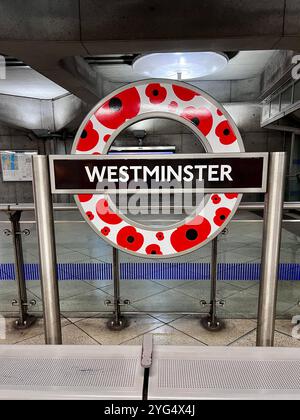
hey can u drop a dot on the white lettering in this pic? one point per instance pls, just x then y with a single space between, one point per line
201 169
124 177
187 170
95 174
112 173
135 170
174 174
213 173
225 172
148 171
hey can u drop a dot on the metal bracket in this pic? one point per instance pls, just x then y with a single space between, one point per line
108 302
32 302
25 232
220 302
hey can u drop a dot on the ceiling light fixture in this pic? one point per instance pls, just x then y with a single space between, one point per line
180 65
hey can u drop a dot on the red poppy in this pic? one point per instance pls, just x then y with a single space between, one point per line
83 198
153 249
106 214
160 236
183 93
190 234
119 108
219 112
221 215
173 106
156 93
231 195
90 215
106 138
96 153
105 231
88 139
216 199
129 238
201 117
225 133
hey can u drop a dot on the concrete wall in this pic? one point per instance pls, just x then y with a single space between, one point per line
12 139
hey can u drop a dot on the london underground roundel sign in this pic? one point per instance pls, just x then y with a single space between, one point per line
165 99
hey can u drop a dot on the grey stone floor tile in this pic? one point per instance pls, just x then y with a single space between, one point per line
7 297
280 340
201 289
74 317
135 290
244 284
67 288
245 304
293 311
71 335
285 326
92 301
14 336
288 291
138 325
166 335
169 301
7 286
165 317
99 284
233 329
171 284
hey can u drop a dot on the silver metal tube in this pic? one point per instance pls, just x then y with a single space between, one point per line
116 280
19 266
289 205
117 322
47 252
271 249
213 280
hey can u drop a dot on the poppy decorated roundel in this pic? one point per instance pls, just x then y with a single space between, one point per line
163 99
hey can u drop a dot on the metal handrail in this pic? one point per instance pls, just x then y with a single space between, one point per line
288 205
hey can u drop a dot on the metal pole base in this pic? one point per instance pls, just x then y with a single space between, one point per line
213 326
27 323
117 324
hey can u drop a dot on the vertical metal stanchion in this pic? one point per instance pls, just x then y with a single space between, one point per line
25 320
117 322
271 249
211 322
47 252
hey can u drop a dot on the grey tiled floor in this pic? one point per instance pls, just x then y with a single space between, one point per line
82 302
185 330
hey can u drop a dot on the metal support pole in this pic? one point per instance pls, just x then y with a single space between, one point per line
25 320
47 252
271 249
211 322
117 322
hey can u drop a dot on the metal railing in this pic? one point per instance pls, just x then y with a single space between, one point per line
15 211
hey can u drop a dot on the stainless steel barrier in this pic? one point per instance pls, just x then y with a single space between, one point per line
48 259
271 249
47 249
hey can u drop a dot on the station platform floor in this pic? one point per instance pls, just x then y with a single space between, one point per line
156 304
166 330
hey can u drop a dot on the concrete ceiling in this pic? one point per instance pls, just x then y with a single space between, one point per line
245 65
53 36
29 83
44 33
26 82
